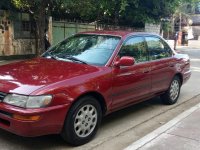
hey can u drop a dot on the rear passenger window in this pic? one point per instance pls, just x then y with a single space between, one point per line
135 47
158 49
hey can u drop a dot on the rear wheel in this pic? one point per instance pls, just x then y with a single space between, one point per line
172 94
82 121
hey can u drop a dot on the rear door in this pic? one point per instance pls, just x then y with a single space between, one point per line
162 63
132 83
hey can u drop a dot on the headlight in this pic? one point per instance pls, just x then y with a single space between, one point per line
28 101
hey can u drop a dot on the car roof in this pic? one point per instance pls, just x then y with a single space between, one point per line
117 33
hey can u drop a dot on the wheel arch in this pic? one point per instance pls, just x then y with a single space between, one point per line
99 97
180 76
70 136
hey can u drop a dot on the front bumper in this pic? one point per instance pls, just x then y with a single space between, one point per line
50 122
186 76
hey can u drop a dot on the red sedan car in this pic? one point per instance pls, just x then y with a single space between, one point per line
74 84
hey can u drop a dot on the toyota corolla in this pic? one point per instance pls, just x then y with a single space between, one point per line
70 88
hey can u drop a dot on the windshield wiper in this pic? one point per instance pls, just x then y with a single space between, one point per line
75 59
52 56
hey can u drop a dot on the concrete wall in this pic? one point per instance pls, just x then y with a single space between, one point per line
194 43
152 28
5 38
23 46
11 46
196 31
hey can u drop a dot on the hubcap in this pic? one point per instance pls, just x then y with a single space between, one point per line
174 90
85 120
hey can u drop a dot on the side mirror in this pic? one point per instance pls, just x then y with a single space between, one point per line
125 61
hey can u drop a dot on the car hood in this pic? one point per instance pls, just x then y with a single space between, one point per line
27 76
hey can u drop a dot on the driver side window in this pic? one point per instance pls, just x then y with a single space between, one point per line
135 47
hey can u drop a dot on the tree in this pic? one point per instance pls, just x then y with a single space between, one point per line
38 9
76 9
6 5
183 11
118 12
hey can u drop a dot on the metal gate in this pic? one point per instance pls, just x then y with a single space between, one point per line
62 30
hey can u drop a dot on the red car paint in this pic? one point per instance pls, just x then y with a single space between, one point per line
67 81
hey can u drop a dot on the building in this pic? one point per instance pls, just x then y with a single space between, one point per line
16 34
187 23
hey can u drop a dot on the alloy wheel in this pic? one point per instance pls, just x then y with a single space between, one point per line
174 90
85 120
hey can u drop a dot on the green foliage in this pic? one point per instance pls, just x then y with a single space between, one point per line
6 4
118 12
108 11
166 27
21 3
123 12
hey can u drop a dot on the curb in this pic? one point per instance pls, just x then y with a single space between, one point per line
156 133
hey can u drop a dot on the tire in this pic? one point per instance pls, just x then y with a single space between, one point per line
82 121
171 96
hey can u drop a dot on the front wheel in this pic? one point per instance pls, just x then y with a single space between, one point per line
82 121
172 94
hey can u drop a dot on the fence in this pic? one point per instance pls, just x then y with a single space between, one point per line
62 29
114 27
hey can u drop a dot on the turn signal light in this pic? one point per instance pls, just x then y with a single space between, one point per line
26 118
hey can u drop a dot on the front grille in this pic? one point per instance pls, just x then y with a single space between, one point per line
2 96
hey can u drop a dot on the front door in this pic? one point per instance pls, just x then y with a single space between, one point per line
132 83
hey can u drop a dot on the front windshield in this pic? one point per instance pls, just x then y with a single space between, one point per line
89 49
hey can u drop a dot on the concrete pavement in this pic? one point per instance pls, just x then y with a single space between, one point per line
181 133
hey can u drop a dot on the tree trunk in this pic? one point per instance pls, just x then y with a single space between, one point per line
116 13
41 33
116 18
36 42
180 18
40 29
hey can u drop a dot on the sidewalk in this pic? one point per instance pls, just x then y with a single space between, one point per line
194 44
181 133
